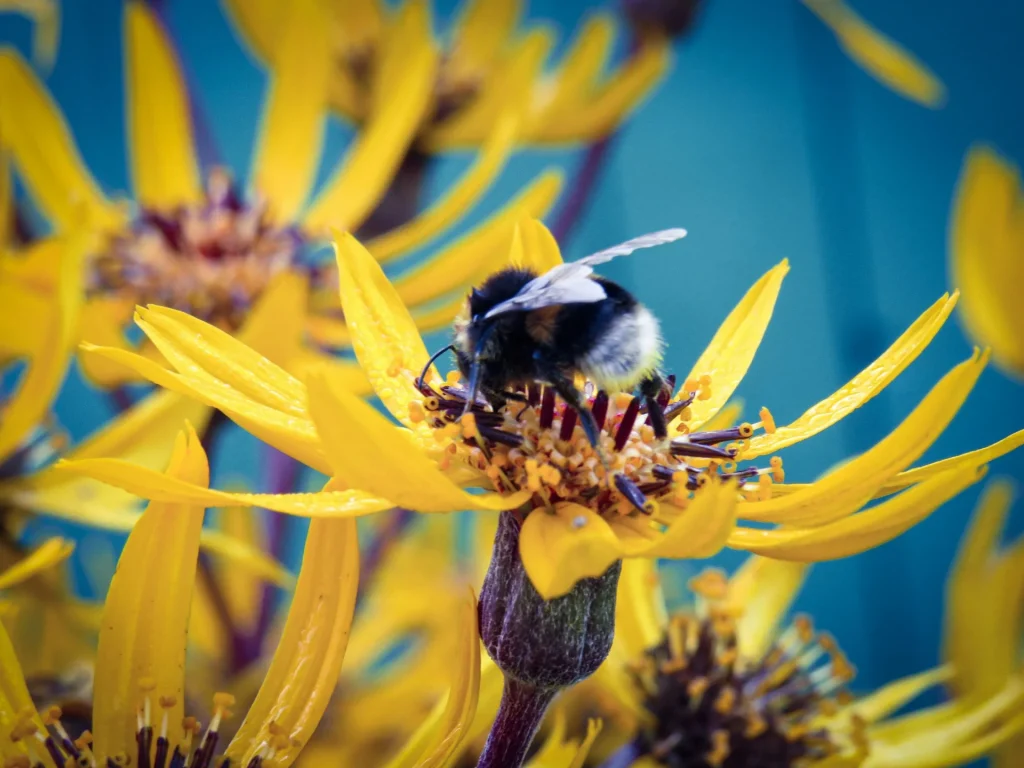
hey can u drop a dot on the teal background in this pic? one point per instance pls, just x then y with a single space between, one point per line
765 142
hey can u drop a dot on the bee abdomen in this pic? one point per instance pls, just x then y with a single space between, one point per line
628 349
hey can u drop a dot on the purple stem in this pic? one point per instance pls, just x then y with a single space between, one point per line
519 716
121 399
583 185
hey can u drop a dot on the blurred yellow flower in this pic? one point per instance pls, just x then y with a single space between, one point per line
138 703
45 15
679 499
986 254
728 677
879 56
245 262
487 66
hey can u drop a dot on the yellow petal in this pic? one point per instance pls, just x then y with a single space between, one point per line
732 349
42 558
6 200
534 247
480 37
289 434
969 459
985 242
158 486
328 331
14 700
304 671
103 322
597 114
291 130
368 453
848 488
407 72
558 752
460 197
640 616
481 251
971 615
581 66
895 695
48 364
145 617
559 549
19 339
511 81
763 590
859 532
275 327
258 23
44 153
348 373
861 387
45 16
163 159
384 336
878 55
438 738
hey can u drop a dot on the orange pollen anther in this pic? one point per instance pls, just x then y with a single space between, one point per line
767 421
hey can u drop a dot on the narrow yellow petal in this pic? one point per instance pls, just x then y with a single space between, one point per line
258 24
969 459
641 616
701 530
19 339
290 434
45 16
599 113
292 127
582 65
33 265
732 349
363 177
44 153
328 331
14 700
845 490
460 197
763 590
511 82
357 32
435 742
275 328
560 549
163 159
985 242
895 695
861 387
368 452
48 364
859 532
384 336
6 200
158 486
348 373
304 671
145 617
359 24
558 752
534 247
103 322
878 55
480 36
42 558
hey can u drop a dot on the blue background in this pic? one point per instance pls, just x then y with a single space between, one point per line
765 142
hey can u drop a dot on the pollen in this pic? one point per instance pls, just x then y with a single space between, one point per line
767 421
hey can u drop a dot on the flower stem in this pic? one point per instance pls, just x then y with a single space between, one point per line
583 185
519 716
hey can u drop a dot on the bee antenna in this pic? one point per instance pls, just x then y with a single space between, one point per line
430 362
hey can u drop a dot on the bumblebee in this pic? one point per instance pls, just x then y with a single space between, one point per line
521 328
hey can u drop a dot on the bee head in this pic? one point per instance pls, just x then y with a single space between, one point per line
471 329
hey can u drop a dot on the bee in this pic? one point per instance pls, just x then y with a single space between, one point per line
521 327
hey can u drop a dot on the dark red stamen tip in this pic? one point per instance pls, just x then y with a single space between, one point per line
626 425
569 418
547 408
599 409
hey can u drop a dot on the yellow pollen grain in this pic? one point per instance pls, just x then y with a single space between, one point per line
697 687
804 628
52 715
453 378
710 583
778 473
147 684
725 701
168 701
756 725
728 657
416 413
767 421
469 428
764 487
190 725
719 748
691 385
622 400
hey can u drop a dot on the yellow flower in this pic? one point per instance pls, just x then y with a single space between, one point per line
488 65
138 703
244 261
677 499
985 613
45 15
986 241
879 56
728 675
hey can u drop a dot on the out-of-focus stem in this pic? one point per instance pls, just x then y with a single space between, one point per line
519 716
582 188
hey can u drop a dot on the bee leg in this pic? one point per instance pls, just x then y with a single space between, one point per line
650 388
568 392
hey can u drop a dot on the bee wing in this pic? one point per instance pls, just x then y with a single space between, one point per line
571 284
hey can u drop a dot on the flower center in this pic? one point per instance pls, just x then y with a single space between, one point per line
212 259
711 707
535 442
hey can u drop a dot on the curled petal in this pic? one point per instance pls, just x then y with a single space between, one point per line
369 453
304 671
859 532
732 349
163 160
862 387
145 617
42 558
